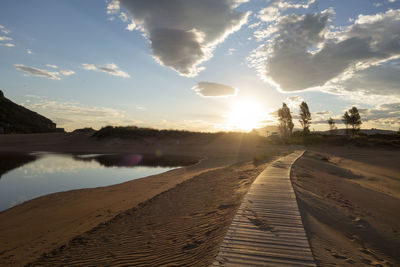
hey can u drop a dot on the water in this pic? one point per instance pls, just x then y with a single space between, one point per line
49 173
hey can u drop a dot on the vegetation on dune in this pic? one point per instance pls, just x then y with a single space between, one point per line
133 132
361 140
84 130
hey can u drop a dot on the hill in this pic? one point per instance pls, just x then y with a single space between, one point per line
17 119
372 131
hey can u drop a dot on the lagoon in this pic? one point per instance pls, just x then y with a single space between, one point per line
46 173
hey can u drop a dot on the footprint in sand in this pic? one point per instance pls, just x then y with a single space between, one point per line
261 223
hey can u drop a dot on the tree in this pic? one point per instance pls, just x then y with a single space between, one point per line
332 125
355 120
352 117
346 121
305 118
285 121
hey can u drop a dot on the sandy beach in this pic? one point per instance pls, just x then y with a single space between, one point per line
348 200
171 203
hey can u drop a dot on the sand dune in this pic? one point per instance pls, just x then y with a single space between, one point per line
349 204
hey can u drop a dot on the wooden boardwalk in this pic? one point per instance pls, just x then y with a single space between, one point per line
267 229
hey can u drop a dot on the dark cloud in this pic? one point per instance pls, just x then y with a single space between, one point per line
214 89
303 53
182 55
183 33
378 80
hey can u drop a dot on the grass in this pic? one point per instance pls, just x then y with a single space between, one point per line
360 140
133 132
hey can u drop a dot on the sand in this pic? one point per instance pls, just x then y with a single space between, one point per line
42 225
181 227
349 199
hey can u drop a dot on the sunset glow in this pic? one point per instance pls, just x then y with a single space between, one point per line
245 116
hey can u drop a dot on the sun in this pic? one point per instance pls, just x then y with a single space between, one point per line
245 116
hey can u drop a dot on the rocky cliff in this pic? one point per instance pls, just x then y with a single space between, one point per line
17 119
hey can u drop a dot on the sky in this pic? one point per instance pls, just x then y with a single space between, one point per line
203 65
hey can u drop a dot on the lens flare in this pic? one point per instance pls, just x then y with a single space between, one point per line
245 116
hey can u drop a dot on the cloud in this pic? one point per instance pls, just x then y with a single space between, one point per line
231 51
383 116
304 53
7 44
51 66
72 115
274 10
110 68
382 79
199 125
183 34
53 75
5 38
67 72
29 51
325 112
386 116
4 30
293 102
209 89
113 7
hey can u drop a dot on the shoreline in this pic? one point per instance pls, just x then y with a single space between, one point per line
79 210
57 218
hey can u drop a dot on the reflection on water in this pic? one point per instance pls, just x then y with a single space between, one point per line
11 161
130 160
51 173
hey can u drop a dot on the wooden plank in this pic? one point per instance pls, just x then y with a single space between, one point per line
267 229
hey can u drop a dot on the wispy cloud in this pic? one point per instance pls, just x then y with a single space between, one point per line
52 66
7 44
72 115
231 51
325 112
5 40
209 89
275 9
4 30
67 72
182 38
52 75
110 68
